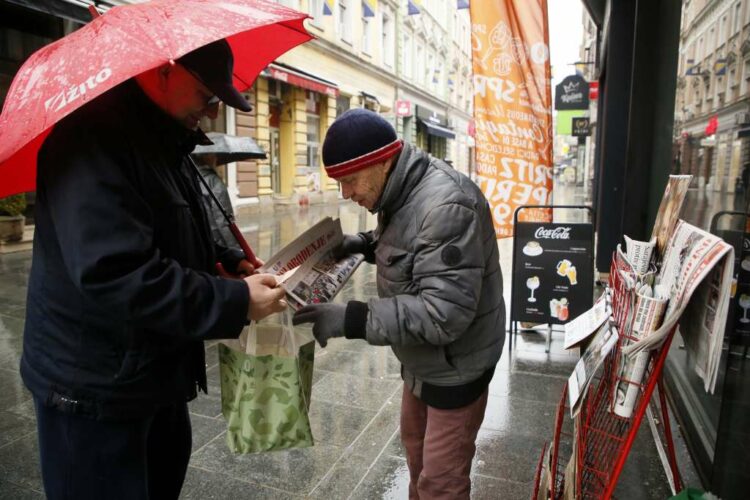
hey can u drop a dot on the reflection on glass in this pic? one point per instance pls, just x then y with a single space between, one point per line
744 304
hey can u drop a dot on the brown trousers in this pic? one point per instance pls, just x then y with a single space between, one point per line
440 445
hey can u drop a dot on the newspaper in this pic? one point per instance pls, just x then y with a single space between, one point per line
587 323
306 269
592 358
692 255
669 210
639 253
647 317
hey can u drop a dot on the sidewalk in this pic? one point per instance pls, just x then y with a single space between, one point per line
355 406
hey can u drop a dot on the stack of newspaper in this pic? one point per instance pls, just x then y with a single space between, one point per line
307 270
681 275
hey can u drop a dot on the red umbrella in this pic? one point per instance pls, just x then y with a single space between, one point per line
122 43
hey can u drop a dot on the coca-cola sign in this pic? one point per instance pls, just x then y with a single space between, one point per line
558 233
553 271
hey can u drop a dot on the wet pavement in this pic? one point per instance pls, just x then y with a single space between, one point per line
354 411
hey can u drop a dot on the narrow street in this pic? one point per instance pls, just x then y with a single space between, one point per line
355 403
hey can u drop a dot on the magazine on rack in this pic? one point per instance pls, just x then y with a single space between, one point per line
669 211
696 275
307 270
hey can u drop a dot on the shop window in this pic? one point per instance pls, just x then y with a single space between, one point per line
406 57
737 18
312 102
344 23
292 4
386 50
313 140
366 32
342 104
315 9
420 64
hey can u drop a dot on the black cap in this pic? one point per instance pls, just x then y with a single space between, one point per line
213 65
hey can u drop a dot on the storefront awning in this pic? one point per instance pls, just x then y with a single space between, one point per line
74 10
437 130
301 79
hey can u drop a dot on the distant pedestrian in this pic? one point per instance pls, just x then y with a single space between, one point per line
219 225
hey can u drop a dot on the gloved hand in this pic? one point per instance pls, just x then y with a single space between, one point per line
352 243
327 320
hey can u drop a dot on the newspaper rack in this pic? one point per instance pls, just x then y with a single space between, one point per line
603 439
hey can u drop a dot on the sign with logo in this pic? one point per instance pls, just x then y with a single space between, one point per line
512 108
403 108
572 93
553 272
429 116
581 127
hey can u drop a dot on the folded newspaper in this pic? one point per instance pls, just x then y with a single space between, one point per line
590 362
696 276
307 270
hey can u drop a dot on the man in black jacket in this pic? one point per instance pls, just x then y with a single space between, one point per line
122 291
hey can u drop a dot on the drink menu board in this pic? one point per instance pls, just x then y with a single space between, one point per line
553 273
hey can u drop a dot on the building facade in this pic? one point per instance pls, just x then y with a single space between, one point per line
413 68
712 103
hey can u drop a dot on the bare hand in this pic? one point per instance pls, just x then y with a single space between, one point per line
265 297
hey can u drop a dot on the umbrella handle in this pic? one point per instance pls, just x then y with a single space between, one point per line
249 254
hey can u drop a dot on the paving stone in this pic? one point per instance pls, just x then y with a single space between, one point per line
19 463
388 478
11 491
363 392
202 484
12 389
294 471
338 424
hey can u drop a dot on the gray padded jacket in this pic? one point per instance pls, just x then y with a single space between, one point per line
441 305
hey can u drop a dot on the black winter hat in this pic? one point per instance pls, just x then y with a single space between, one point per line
359 138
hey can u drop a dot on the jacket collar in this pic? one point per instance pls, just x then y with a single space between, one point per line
168 131
403 177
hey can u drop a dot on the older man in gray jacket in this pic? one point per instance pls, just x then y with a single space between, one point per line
440 288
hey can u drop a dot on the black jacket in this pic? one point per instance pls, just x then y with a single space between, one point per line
122 289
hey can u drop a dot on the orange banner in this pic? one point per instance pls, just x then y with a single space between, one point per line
512 108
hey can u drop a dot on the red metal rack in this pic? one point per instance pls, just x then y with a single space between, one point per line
603 439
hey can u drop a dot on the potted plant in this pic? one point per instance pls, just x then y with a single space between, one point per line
11 217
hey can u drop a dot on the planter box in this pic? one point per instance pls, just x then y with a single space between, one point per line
11 228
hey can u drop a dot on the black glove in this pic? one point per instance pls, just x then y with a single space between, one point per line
327 320
352 243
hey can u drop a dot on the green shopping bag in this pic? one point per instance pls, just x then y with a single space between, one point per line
266 382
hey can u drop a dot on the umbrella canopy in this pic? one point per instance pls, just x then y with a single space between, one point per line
124 42
229 148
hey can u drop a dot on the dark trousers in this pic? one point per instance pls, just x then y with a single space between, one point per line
83 458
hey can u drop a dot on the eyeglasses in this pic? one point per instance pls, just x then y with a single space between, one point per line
211 101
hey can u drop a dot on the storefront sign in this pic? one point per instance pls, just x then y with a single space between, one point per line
581 127
403 108
301 80
512 108
553 272
430 116
572 93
